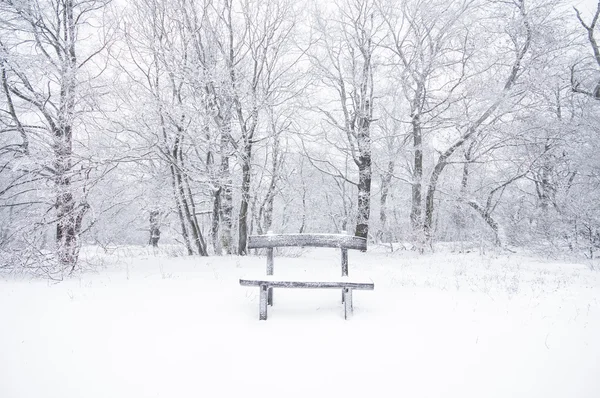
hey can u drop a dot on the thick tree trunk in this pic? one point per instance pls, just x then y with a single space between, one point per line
417 177
68 222
364 196
65 205
243 216
226 196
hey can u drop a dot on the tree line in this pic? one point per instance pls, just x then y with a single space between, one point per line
203 121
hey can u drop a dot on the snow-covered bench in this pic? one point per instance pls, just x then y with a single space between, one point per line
339 241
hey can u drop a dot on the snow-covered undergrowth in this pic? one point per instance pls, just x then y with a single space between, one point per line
144 324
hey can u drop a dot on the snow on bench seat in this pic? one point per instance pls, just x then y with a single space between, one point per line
266 284
308 284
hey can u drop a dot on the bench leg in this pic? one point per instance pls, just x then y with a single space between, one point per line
348 308
263 303
270 297
349 300
344 292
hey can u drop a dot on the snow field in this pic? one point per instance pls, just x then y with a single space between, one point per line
440 325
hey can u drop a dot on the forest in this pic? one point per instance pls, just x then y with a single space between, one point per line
197 123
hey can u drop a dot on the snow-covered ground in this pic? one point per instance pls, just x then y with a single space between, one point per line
439 325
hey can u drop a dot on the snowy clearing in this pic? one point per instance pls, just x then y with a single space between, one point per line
440 325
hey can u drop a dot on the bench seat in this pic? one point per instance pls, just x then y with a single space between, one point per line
307 284
267 283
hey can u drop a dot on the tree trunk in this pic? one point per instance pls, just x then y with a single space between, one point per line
200 242
546 190
243 216
303 224
178 204
154 228
364 196
265 213
226 196
429 199
487 217
216 220
460 217
417 177
68 223
386 180
65 204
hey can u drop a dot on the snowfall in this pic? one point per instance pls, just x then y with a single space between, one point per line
144 323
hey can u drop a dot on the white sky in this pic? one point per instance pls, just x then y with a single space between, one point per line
585 5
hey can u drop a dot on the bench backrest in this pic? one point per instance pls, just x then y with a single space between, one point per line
340 241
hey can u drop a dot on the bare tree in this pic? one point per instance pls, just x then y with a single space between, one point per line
521 40
159 63
45 69
591 30
429 46
346 63
253 48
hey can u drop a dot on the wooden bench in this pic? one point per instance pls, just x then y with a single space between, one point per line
340 241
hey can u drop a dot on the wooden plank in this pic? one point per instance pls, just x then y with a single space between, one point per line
308 285
303 276
341 241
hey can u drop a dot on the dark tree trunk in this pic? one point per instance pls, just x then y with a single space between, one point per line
243 216
69 218
214 228
364 196
363 140
65 205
